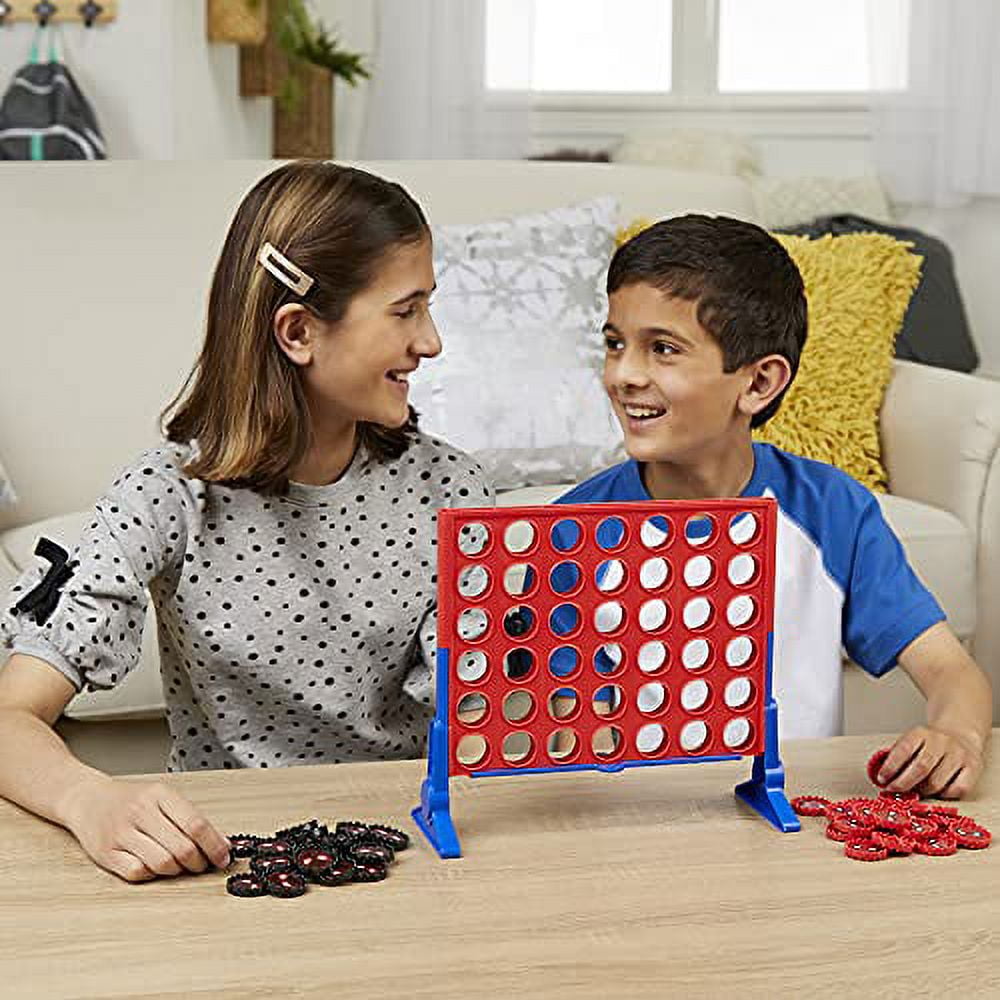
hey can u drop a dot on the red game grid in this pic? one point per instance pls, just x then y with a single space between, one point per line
715 551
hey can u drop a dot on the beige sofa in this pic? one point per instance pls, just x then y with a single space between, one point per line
107 267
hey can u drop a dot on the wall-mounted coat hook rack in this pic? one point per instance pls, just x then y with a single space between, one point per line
46 12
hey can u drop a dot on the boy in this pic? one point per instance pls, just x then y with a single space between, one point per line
706 323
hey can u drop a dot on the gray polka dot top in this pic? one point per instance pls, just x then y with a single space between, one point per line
292 630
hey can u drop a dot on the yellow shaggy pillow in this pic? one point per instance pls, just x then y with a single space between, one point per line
858 287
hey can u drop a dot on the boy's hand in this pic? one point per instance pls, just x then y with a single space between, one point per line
934 762
139 831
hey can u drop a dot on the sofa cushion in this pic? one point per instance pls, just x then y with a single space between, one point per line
140 694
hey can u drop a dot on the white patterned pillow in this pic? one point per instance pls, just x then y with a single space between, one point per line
519 307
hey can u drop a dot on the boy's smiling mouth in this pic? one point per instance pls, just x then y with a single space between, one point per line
642 411
641 418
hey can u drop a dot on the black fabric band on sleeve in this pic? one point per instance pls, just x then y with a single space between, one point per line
42 600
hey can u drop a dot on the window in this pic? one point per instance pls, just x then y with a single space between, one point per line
610 46
697 50
806 46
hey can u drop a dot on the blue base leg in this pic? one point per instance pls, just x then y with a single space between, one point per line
433 815
765 791
437 826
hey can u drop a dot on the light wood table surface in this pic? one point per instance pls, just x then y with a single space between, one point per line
655 882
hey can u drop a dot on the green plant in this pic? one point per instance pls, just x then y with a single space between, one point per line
304 40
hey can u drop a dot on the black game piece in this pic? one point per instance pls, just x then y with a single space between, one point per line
243 845
273 848
389 836
286 885
365 852
339 873
370 871
245 885
271 866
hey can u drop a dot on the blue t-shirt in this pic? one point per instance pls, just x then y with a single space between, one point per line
843 581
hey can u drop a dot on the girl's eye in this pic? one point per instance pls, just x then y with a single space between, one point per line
408 313
612 343
662 347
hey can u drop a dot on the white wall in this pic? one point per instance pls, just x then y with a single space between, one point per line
159 89
162 91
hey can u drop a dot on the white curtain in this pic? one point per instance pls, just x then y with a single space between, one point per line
428 97
938 142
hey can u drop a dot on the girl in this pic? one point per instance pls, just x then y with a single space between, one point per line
285 532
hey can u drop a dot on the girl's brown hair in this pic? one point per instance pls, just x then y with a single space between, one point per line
243 401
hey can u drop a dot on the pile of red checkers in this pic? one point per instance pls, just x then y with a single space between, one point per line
286 862
895 823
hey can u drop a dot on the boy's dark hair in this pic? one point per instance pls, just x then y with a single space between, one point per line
749 292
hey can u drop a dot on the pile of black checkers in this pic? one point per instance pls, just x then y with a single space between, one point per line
894 824
286 862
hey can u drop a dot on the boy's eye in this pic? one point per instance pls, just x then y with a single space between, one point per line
663 347
612 343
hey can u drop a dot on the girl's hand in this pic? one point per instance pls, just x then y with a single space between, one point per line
140 830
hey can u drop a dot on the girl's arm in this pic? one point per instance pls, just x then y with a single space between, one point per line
136 830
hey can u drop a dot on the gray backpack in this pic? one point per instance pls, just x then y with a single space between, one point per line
44 116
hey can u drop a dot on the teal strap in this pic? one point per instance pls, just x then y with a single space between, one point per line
36 45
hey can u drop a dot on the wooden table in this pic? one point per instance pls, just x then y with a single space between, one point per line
655 882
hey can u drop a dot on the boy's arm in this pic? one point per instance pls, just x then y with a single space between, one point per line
946 756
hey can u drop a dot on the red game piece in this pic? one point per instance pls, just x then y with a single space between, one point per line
810 805
894 818
866 810
835 810
971 836
892 842
865 850
910 796
922 827
853 825
834 832
875 763
936 844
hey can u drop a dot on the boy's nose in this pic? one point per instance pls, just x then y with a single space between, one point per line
629 372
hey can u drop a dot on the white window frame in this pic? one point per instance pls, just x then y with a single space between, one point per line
694 100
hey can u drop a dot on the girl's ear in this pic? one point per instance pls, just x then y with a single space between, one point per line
769 376
295 331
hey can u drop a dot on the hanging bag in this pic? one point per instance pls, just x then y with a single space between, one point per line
44 115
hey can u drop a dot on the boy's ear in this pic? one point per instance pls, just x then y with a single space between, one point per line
768 377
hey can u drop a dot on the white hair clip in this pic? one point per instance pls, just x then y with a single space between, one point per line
289 274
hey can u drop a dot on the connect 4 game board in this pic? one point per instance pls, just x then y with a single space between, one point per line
604 636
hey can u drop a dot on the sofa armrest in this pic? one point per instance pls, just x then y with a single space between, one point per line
941 446
940 435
